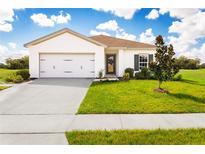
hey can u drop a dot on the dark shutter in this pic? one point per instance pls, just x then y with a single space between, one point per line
136 62
150 57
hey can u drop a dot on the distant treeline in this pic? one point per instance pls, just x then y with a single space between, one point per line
20 63
186 63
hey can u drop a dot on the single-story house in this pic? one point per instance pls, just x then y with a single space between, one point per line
68 54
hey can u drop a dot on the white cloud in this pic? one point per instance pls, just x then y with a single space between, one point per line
6 52
6 27
15 55
44 21
189 29
126 13
195 53
62 18
178 13
6 18
6 15
12 45
147 36
19 54
174 13
124 35
154 14
111 25
179 46
186 31
94 32
3 49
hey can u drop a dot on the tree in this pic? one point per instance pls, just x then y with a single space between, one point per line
21 63
186 63
25 62
2 65
202 65
163 67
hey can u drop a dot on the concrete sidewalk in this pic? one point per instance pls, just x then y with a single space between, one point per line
137 121
50 129
66 122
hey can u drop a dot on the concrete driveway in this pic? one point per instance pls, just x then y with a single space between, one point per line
39 112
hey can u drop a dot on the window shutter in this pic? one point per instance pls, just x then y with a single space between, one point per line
150 57
136 62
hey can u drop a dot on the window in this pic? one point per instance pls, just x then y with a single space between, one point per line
143 61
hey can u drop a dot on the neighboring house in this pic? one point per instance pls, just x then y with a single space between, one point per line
66 53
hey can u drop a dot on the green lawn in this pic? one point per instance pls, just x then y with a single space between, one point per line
3 87
194 76
4 73
137 96
138 137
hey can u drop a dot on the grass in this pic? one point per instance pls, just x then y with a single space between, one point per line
193 76
3 87
137 96
138 137
4 74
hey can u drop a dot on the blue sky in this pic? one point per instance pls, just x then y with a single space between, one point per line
184 28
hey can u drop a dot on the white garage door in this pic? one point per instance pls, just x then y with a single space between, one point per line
67 65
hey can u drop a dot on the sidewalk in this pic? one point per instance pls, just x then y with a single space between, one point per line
67 122
137 121
51 128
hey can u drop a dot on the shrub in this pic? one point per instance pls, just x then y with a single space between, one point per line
126 76
18 79
24 74
18 76
14 78
101 74
144 74
130 71
178 78
138 75
152 75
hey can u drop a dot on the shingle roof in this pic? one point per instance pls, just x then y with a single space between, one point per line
117 42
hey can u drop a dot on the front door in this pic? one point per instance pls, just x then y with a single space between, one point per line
110 63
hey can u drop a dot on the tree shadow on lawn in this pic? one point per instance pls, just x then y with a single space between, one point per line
187 96
192 82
